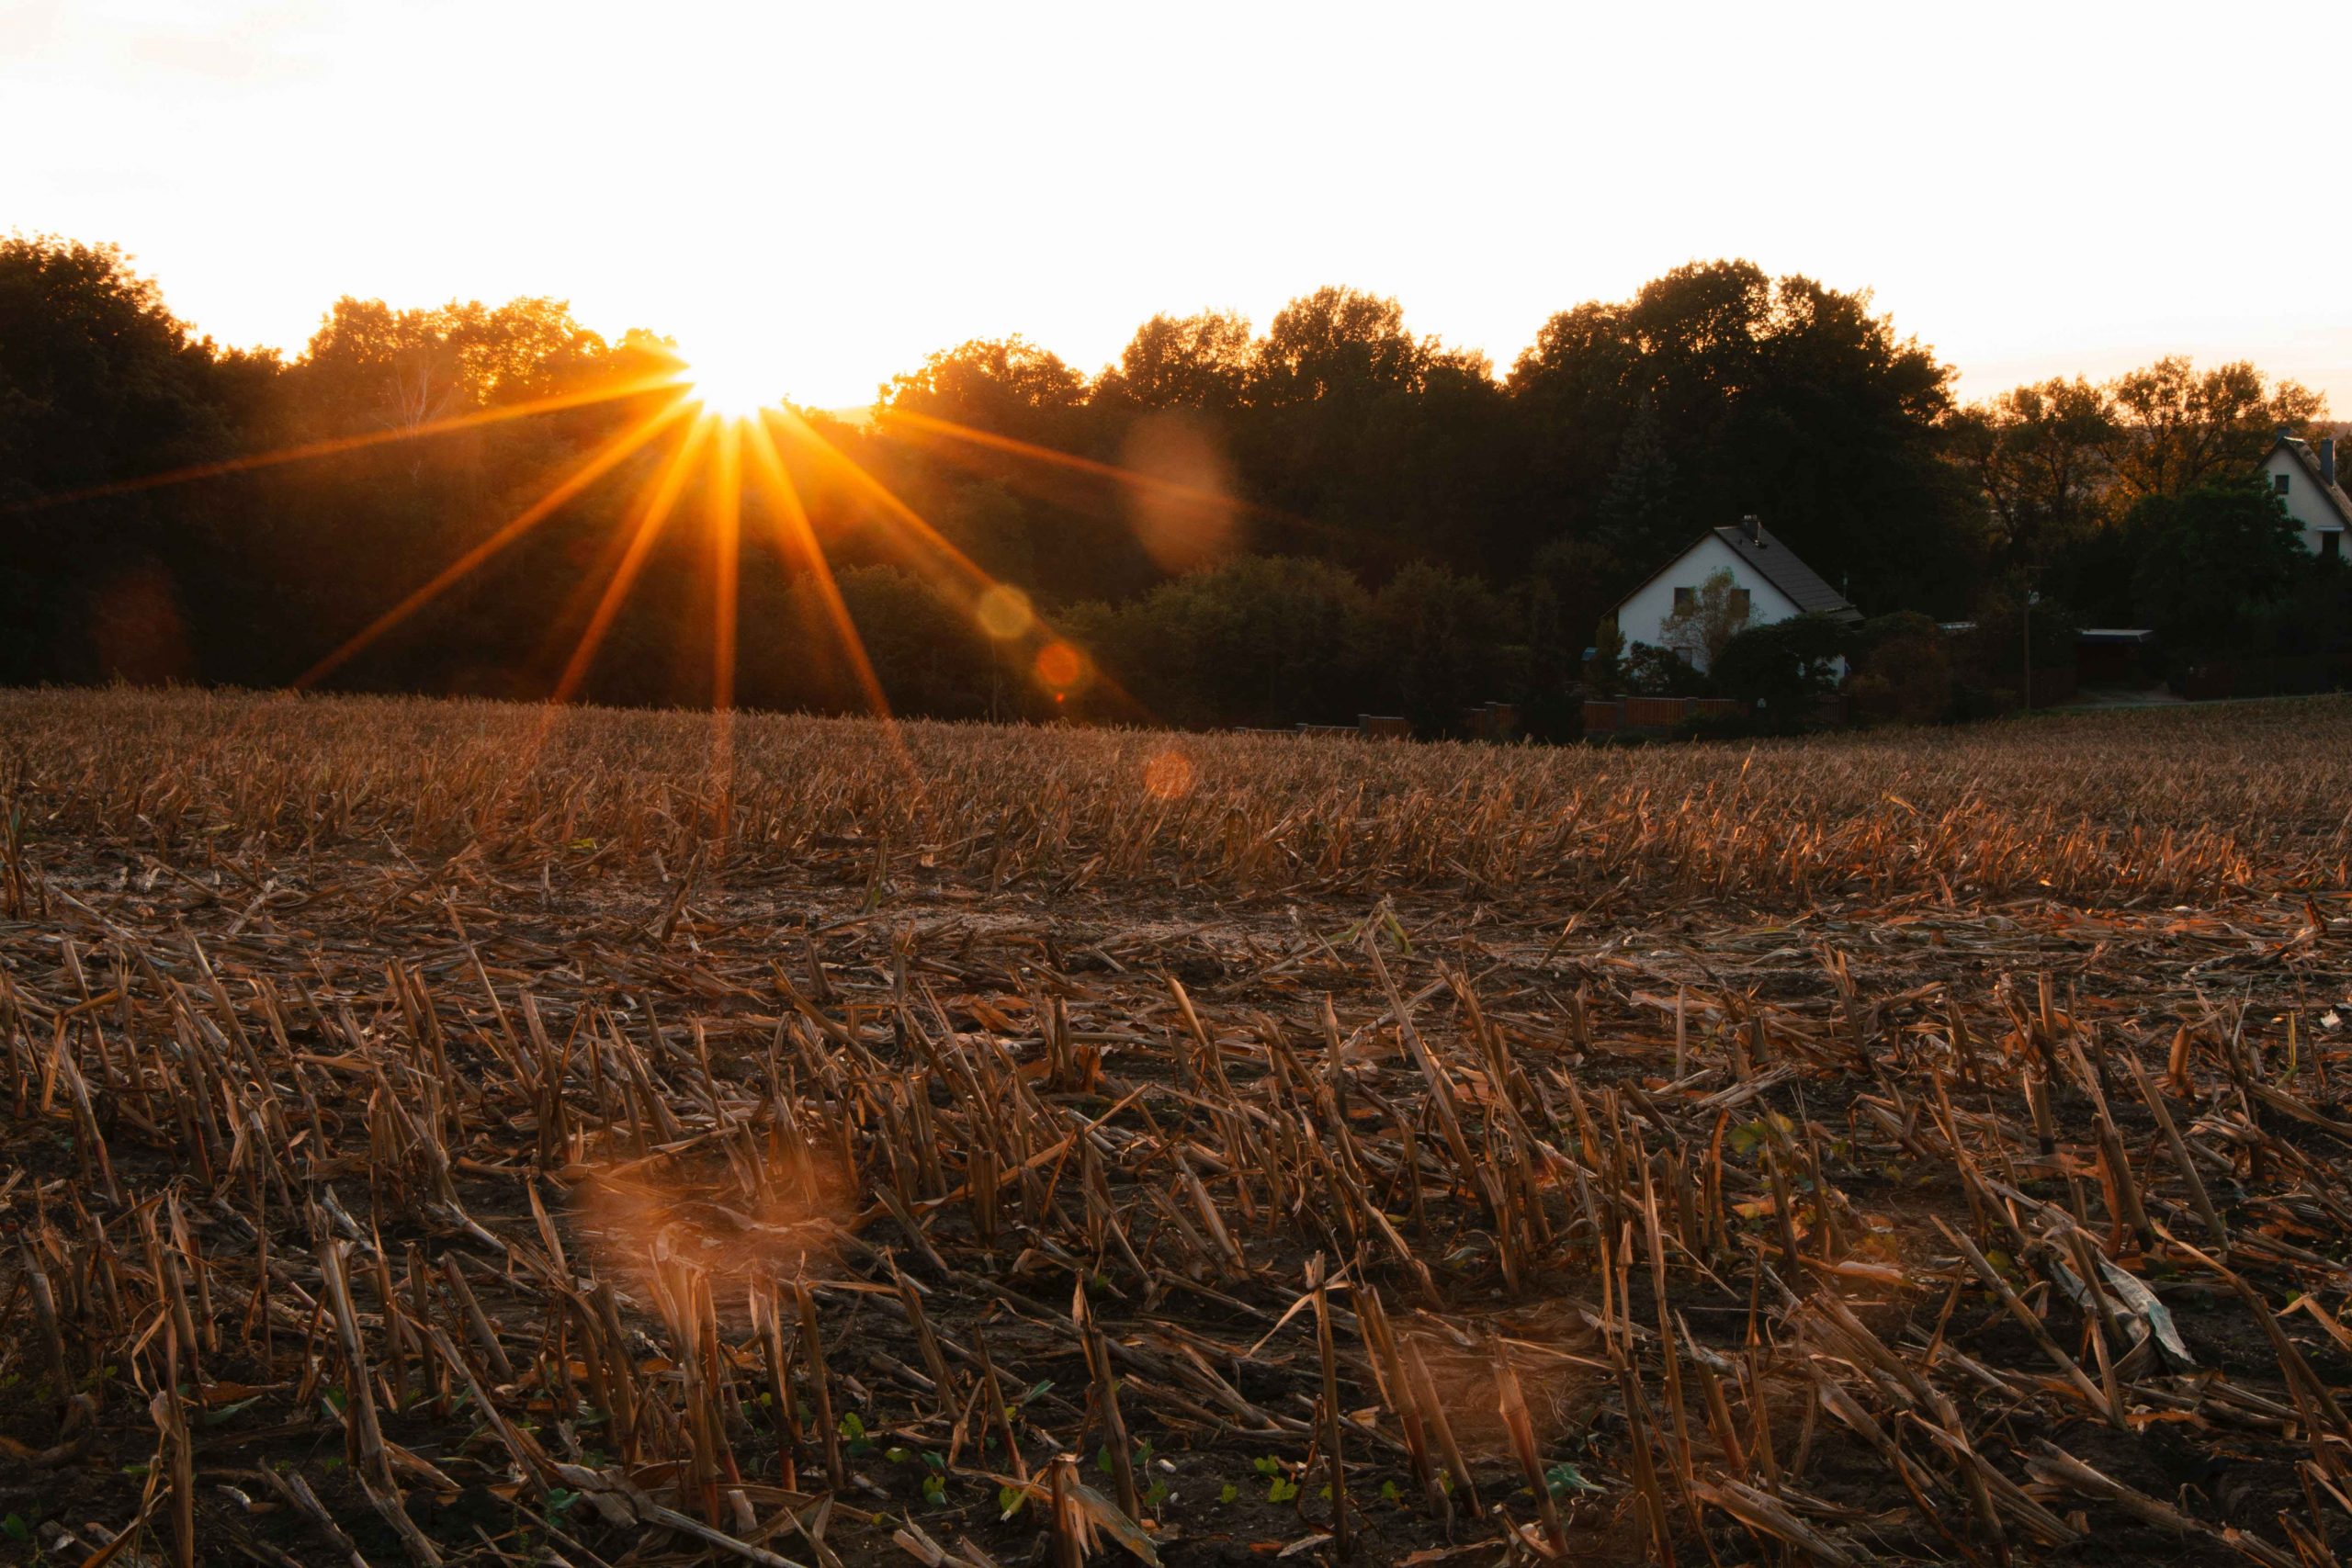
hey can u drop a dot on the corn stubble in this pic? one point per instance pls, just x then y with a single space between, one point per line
449 1133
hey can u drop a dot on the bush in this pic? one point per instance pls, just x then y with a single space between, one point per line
1441 645
1902 669
1788 667
928 655
1660 672
2212 558
1260 640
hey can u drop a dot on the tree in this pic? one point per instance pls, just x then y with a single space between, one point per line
2040 454
1639 515
1380 446
1990 658
369 367
1719 391
1570 587
929 658
1660 672
1718 612
1606 673
1002 385
1337 343
100 382
2211 557
1199 362
2176 428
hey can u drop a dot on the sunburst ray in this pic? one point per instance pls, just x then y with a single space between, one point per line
726 510
600 462
658 506
964 578
797 538
961 573
943 437
725 501
899 423
338 444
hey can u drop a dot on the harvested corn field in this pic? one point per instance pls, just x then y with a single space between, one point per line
473 1133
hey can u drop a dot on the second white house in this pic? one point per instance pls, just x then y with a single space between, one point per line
2305 482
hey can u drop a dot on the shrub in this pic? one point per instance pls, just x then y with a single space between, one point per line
1902 669
1660 672
1788 666
2212 558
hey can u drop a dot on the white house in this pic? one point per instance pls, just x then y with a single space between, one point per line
2305 481
1768 582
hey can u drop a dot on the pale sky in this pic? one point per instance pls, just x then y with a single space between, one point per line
834 191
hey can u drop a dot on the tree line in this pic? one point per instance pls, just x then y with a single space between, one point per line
1331 515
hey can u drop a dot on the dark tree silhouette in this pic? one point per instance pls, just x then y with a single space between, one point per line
1338 516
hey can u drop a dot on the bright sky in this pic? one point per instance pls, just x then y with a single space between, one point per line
837 190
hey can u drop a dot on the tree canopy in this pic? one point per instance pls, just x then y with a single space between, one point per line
1338 514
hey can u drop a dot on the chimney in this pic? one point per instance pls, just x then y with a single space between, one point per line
1748 526
2327 458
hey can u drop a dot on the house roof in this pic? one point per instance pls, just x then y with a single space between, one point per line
1776 564
2300 451
1779 566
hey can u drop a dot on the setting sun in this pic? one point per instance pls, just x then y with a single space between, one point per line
733 384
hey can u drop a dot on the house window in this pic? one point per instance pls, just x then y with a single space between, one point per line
1685 600
2331 544
1739 604
2280 481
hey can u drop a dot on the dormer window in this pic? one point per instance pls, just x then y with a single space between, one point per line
2280 481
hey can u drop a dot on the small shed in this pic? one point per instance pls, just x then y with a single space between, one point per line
2113 655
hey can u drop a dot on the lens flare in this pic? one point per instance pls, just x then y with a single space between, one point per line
643 1220
1184 517
1060 665
1004 612
1168 775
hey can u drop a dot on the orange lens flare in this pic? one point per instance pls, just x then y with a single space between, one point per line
1168 775
962 575
1184 515
907 420
646 1223
1060 665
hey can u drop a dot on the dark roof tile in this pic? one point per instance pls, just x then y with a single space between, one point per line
1780 567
